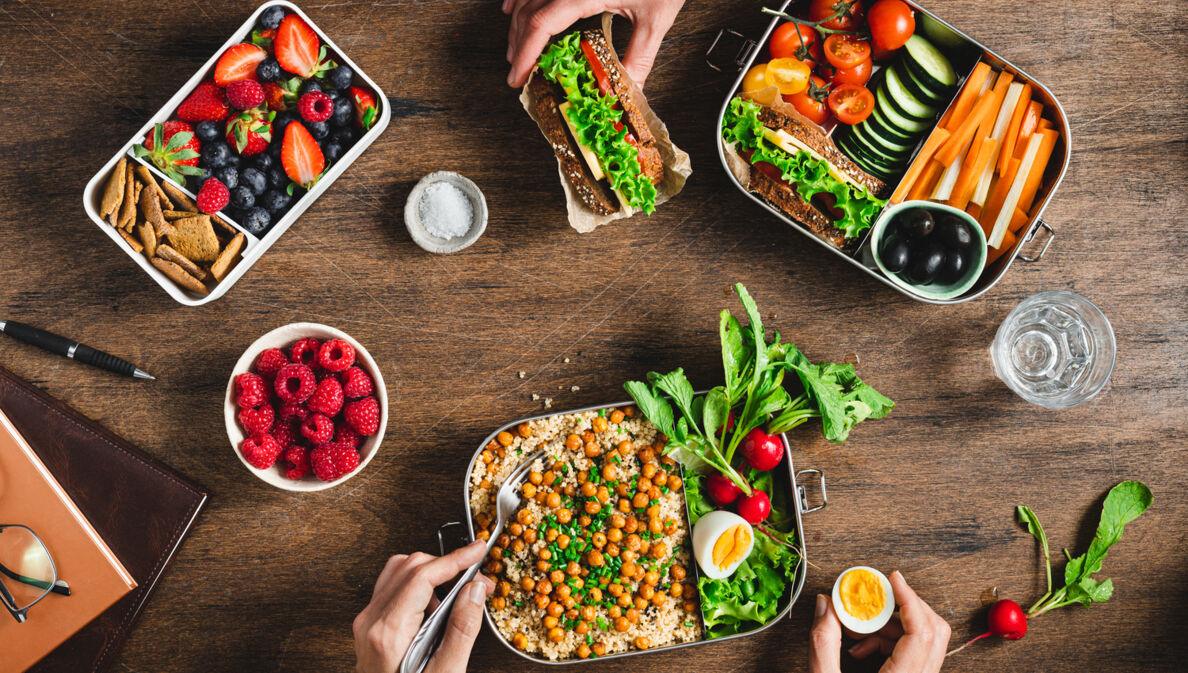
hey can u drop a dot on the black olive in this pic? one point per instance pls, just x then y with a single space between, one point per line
954 267
916 223
954 233
895 255
926 262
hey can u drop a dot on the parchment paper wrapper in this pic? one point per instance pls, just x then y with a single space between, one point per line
677 167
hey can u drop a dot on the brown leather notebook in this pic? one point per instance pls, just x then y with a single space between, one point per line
140 508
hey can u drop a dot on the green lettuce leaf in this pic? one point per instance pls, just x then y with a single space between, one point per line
595 117
810 176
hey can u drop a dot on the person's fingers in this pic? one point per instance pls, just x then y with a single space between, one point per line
892 630
391 568
825 639
922 647
538 25
419 581
508 5
869 645
645 42
465 622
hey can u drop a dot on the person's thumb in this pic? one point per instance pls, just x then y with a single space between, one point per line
825 640
465 622
641 51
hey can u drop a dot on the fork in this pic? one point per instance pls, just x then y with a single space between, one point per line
425 643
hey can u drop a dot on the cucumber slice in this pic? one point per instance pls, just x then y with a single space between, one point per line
904 99
933 67
920 90
896 119
873 152
880 125
876 168
891 149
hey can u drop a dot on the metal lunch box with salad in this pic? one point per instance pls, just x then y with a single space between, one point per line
948 122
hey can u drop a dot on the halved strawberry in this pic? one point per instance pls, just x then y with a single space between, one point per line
238 62
298 49
207 103
300 155
173 147
250 131
365 108
282 95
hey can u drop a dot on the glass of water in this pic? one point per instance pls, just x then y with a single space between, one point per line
1056 349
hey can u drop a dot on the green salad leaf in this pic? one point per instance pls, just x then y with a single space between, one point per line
809 176
595 116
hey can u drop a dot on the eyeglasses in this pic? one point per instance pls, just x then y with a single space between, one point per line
27 572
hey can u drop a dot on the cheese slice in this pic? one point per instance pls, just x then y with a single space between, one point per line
791 144
586 152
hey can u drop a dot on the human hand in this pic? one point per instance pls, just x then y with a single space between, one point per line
535 21
916 640
403 592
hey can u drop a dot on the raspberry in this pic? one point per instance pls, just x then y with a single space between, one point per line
356 383
327 399
318 429
260 451
363 415
257 421
284 434
332 461
293 410
245 94
305 351
270 362
295 382
336 355
347 436
213 196
315 106
250 390
298 457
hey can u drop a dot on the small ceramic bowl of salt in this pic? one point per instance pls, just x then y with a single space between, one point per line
445 212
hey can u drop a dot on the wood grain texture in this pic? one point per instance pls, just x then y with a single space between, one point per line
270 581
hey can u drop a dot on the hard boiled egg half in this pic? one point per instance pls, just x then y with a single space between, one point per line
721 541
863 600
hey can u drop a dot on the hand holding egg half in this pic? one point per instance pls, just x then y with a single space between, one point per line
863 600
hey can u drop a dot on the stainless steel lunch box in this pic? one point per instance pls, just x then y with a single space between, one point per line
800 496
748 52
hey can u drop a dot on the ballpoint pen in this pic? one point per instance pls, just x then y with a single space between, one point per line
71 349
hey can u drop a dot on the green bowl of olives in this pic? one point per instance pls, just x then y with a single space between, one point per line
929 249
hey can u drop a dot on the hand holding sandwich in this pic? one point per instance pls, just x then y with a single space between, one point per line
534 22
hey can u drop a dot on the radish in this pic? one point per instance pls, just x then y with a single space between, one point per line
762 451
721 489
1006 619
754 507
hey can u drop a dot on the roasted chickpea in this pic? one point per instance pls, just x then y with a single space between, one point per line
551 622
495 567
505 438
544 587
627 569
484 535
647 455
639 603
624 505
485 483
542 566
572 442
632 615
550 535
548 478
573 569
487 456
563 541
498 603
482 519
640 500
688 591
615 590
524 517
627 555
674 591
612 549
615 612
530 536
642 642
583 651
599 424
629 411
584 520
655 526
631 526
557 576
555 609
643 485
621 624
524 429
668 462
529 489
520 641
648 471
599 648
503 588
583 476
658 445
616 416
622 489
633 542
589 489
582 628
592 450
670 527
578 582
651 578
646 591
624 601
542 601
678 572
518 545
562 592
570 490
593 507
608 472
659 551
556 635
598 539
595 594
564 515
659 599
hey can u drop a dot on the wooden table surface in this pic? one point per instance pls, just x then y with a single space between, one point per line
270 581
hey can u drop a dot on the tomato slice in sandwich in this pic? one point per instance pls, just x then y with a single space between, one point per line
596 66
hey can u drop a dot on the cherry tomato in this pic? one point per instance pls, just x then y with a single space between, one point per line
859 74
754 507
891 23
755 83
851 103
793 40
846 51
811 102
850 19
788 75
721 489
596 67
762 451
879 54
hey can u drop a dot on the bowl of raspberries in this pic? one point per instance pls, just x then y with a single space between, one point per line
306 407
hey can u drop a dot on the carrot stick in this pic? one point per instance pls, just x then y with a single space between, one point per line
965 100
1008 243
927 181
1027 127
1031 187
935 140
974 210
1045 123
1012 134
948 153
1018 219
998 194
970 169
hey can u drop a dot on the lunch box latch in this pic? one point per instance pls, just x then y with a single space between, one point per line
455 540
802 495
1039 224
724 39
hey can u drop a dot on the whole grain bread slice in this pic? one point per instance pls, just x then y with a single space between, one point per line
596 195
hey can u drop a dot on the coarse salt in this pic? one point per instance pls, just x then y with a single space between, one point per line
445 211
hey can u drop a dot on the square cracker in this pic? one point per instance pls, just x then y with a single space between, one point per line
194 238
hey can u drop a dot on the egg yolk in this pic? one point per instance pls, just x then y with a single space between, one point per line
731 546
862 594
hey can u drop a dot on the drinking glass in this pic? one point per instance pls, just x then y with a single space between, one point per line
1056 349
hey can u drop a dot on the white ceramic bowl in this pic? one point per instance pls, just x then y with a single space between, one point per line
434 244
282 337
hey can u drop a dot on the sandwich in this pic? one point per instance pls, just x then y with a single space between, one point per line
583 102
797 168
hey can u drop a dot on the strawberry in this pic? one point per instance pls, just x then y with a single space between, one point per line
207 103
282 94
263 37
250 131
298 49
238 62
300 155
365 108
173 147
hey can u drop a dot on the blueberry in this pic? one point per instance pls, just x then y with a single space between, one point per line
268 70
228 175
242 197
309 85
215 154
256 220
208 131
233 158
319 130
335 94
340 77
254 180
275 201
263 161
274 149
277 179
194 182
344 112
346 135
271 17
332 150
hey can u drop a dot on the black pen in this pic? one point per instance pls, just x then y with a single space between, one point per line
71 349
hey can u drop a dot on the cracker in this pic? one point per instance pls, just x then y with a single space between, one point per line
179 198
136 246
179 276
194 238
113 193
150 209
169 254
226 228
148 236
227 256
171 215
131 193
146 176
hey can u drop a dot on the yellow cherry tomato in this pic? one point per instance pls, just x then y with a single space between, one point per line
789 75
755 82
